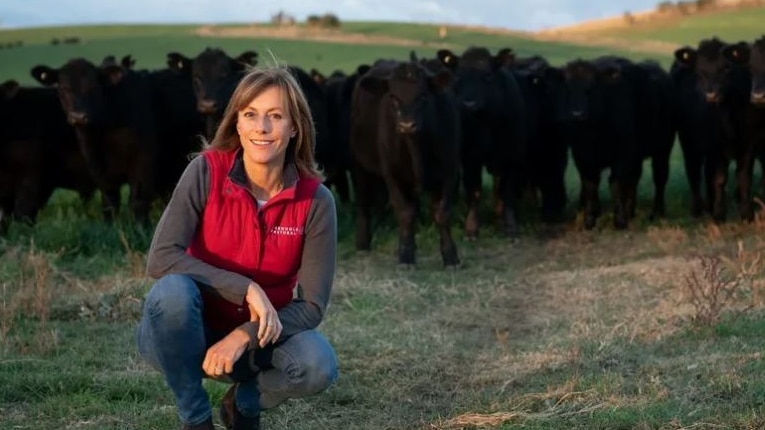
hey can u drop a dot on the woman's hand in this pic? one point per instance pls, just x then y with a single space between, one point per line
220 358
262 311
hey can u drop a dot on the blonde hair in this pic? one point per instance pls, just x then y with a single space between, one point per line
300 149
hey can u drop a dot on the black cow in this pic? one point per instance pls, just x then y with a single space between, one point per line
336 155
494 124
180 126
603 112
707 102
214 76
405 128
38 152
111 110
748 100
546 152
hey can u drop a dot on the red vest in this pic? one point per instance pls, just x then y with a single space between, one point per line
265 245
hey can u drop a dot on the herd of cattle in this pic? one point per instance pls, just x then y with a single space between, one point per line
413 128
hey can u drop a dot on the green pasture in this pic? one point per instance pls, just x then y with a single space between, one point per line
732 26
565 329
149 45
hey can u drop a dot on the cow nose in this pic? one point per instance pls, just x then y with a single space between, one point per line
207 106
712 96
758 97
78 118
407 127
470 104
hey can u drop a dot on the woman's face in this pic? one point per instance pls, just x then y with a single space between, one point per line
265 128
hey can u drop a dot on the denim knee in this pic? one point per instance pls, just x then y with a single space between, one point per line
173 296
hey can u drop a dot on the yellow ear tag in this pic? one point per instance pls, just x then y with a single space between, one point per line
43 76
685 55
448 59
180 64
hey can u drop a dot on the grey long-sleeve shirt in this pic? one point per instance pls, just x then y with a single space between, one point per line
179 223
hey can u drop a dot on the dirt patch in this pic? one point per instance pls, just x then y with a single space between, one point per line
314 35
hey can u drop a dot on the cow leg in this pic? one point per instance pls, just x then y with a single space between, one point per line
30 198
442 211
471 180
363 183
6 209
660 171
342 185
508 198
719 180
618 196
405 207
744 169
110 203
693 162
589 200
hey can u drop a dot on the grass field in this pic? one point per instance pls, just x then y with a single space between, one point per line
661 36
567 329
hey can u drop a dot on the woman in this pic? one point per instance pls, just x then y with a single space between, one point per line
248 222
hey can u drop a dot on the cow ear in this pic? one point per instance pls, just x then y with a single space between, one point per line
413 56
686 56
178 62
363 69
318 77
374 84
45 75
247 58
448 58
738 53
504 58
9 89
127 61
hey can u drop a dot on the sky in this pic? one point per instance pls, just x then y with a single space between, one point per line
528 15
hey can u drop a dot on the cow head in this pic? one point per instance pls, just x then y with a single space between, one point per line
476 73
214 75
752 57
710 67
80 87
8 89
580 82
407 87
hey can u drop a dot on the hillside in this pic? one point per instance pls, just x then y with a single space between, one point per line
345 49
659 33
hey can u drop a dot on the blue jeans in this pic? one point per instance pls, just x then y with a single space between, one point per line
172 337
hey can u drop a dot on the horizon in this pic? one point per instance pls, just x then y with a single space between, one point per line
521 15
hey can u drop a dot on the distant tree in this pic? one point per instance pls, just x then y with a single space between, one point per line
665 7
313 20
330 20
705 4
282 18
686 7
629 18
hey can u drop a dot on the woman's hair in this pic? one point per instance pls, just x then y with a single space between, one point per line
300 149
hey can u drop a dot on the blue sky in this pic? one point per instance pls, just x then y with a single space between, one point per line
514 14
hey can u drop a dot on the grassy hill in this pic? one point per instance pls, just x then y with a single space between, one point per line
355 43
663 34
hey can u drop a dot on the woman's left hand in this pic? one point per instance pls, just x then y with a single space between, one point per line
220 358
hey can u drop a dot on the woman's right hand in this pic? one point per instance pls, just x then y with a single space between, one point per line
263 312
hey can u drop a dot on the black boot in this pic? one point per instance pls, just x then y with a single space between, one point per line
205 425
232 418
